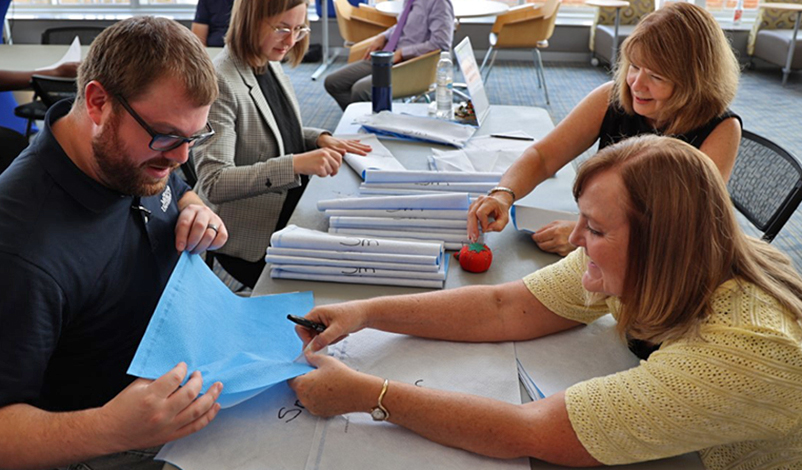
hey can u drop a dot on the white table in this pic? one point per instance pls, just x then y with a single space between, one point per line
514 253
462 8
797 7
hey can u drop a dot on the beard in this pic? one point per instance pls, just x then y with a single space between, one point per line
119 171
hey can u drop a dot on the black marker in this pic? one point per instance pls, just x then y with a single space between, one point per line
511 137
319 327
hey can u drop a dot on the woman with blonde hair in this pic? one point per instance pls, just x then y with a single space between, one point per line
255 171
676 76
721 310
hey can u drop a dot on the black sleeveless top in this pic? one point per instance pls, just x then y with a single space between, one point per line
618 125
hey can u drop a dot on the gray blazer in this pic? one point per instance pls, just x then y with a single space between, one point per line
243 173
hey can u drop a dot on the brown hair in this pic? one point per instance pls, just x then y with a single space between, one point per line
684 238
244 37
685 44
130 55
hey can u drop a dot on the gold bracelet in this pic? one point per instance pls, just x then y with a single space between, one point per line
380 413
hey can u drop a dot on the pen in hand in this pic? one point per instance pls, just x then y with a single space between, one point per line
319 327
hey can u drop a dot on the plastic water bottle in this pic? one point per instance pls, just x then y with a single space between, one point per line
739 11
445 82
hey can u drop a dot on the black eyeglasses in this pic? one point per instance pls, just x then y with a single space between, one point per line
166 142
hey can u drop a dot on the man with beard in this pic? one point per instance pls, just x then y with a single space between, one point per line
92 222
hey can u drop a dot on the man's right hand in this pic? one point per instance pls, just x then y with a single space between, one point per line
496 206
153 412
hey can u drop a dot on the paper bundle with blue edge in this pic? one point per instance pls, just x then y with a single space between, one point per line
392 182
299 253
245 343
441 218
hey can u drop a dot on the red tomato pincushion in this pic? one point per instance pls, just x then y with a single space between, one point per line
475 258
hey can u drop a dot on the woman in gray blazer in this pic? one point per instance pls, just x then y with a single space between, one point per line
256 169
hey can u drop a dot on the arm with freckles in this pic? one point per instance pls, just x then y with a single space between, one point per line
539 429
507 312
572 136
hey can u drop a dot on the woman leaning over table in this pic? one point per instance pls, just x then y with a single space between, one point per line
724 309
676 76
255 171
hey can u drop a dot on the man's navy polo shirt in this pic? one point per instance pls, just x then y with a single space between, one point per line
216 14
82 273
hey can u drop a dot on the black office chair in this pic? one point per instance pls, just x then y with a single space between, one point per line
47 91
12 143
766 184
66 34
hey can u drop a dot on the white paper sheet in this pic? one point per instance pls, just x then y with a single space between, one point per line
400 213
278 273
355 441
392 223
434 201
357 256
449 237
379 157
73 54
482 154
373 176
599 351
270 430
531 219
375 192
417 128
297 237
348 264
368 273
480 188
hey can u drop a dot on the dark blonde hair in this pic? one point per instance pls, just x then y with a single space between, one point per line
244 37
685 44
132 54
684 239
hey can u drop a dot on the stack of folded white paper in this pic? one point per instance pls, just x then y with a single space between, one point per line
378 182
417 128
439 218
299 253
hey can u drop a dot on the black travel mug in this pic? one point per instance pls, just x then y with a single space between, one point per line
382 92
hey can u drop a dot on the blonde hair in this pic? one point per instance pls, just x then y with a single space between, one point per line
685 44
244 37
132 54
684 239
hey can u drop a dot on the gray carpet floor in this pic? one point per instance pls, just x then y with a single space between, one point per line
766 107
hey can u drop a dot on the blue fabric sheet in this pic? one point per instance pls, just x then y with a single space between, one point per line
246 343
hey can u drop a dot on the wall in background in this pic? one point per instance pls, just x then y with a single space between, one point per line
569 42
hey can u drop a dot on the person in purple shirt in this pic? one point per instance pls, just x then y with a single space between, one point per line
429 26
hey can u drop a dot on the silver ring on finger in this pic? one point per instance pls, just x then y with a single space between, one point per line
213 227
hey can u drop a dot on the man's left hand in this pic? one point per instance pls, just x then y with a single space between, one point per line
199 229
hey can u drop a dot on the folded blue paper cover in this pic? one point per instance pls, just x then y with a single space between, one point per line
246 343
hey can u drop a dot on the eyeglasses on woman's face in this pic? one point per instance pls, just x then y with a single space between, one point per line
299 32
166 142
